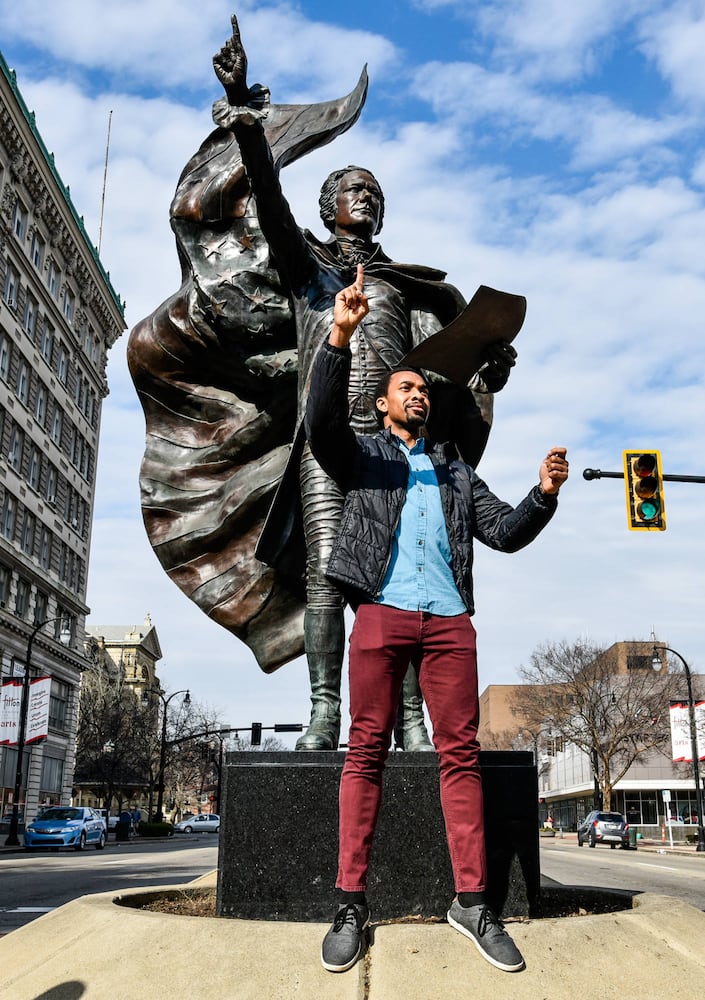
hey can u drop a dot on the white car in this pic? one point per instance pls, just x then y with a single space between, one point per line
203 822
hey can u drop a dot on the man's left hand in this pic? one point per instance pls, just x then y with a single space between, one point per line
554 471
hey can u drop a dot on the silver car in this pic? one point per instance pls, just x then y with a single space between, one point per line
203 822
604 828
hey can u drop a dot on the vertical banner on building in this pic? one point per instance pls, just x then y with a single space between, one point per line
680 730
10 700
37 710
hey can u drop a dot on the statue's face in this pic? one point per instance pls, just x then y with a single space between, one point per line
358 205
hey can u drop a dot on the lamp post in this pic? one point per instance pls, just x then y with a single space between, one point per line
163 744
64 637
656 664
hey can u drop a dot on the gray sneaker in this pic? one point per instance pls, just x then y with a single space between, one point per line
487 931
342 945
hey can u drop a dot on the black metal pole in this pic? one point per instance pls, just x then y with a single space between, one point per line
162 765
597 791
220 775
12 837
694 750
163 745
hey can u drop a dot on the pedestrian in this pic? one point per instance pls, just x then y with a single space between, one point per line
403 557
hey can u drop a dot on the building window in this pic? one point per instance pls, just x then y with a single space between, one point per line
40 405
37 251
19 220
5 356
45 549
57 424
35 468
5 581
62 364
41 607
22 382
9 512
29 316
22 598
47 345
52 767
51 483
11 286
28 529
53 279
69 305
14 452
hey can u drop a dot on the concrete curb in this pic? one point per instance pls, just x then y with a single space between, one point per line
93 949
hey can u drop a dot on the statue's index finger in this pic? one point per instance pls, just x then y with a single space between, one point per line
236 29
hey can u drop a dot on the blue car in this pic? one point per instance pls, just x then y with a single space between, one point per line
66 826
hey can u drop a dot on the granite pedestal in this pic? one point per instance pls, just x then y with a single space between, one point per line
278 836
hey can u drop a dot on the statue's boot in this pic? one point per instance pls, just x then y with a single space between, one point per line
324 641
410 731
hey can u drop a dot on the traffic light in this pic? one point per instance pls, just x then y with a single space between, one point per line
256 737
644 485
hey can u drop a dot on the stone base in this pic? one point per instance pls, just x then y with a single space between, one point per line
278 839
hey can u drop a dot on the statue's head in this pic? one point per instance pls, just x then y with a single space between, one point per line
331 189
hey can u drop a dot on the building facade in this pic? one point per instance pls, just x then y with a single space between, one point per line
118 732
655 794
59 316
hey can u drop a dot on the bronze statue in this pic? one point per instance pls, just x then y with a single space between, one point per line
234 504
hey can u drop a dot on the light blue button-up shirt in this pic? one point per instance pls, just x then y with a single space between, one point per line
419 576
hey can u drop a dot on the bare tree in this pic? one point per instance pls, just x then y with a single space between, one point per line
113 742
576 693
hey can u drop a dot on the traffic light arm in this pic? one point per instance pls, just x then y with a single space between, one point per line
599 474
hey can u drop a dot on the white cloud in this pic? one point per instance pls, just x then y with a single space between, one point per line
592 130
675 38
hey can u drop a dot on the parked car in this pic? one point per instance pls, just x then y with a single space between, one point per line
206 822
604 828
66 826
111 821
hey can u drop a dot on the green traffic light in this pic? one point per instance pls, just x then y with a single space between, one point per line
649 510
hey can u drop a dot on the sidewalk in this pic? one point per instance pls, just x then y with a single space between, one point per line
95 950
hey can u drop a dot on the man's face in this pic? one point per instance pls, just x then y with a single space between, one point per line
406 404
358 205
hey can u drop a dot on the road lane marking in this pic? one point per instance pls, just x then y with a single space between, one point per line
27 909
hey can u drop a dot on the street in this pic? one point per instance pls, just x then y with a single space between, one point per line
34 883
641 870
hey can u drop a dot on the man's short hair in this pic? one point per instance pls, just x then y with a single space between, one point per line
328 198
382 387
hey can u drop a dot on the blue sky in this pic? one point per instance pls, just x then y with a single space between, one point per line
540 147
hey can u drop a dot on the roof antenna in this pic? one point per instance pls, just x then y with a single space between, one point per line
105 178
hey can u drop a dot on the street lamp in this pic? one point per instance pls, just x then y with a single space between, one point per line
656 664
162 748
65 638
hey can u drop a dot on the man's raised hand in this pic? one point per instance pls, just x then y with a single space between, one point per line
350 308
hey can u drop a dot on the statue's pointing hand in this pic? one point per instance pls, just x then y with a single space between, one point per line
230 65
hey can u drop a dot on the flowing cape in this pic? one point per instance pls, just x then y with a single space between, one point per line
215 368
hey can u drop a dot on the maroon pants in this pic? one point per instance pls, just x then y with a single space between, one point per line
384 641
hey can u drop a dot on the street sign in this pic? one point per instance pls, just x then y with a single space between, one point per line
666 795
